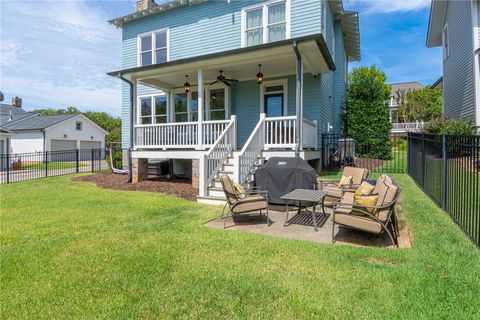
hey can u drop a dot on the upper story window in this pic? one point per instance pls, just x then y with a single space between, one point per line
78 126
265 23
445 42
153 48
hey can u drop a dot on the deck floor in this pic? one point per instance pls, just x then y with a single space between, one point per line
300 227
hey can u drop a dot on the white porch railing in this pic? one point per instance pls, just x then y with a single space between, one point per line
180 135
408 126
310 134
245 160
220 150
280 132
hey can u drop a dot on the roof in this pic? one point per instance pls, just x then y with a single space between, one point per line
437 84
38 122
435 23
405 86
6 108
6 118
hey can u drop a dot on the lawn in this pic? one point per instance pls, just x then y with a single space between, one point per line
72 250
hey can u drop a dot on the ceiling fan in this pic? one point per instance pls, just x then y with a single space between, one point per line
221 78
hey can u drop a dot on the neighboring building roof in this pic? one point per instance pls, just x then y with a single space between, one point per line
6 108
437 84
38 122
435 23
7 118
405 86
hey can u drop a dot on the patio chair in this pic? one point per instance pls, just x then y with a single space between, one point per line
252 200
373 219
334 190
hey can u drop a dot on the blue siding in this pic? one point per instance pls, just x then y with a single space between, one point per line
246 105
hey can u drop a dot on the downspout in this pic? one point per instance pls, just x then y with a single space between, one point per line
298 99
129 179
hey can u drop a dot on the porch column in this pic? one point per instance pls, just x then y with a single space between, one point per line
200 110
298 101
134 116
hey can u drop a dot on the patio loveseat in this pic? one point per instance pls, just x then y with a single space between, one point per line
377 218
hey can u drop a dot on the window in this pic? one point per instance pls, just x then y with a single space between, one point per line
217 104
78 125
445 44
153 48
181 107
265 23
153 109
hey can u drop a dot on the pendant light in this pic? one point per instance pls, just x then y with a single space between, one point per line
186 85
259 75
214 96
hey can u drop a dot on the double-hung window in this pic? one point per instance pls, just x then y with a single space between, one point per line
153 48
153 109
265 23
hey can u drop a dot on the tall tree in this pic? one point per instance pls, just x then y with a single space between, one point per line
367 118
2 97
419 105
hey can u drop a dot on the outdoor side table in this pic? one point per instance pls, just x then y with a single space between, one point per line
314 197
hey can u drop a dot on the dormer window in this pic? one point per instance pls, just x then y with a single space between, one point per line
266 23
153 47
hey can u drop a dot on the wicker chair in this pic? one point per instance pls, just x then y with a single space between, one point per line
252 200
378 219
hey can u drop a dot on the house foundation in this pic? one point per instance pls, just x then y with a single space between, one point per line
139 169
195 173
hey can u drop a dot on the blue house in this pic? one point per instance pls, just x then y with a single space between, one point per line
220 86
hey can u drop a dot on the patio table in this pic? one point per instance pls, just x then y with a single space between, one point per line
313 197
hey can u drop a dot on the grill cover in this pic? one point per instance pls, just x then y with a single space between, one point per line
282 175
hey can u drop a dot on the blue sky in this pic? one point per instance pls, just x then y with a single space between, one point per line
56 53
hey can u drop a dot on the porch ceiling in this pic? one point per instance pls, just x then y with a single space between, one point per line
277 59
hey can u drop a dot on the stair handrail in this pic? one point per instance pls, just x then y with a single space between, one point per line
245 160
221 148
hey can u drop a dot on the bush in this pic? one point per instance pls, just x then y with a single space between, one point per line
367 117
444 125
400 144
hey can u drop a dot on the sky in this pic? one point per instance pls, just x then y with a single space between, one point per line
56 53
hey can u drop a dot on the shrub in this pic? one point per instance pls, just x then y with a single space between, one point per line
444 125
367 117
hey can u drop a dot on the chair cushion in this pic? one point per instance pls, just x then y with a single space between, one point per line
333 191
346 203
388 197
357 174
345 181
364 189
249 204
240 190
367 200
358 222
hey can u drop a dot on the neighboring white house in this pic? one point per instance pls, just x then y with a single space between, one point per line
32 132
455 26
393 103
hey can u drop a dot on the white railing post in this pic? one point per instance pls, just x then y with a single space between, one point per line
316 133
200 109
234 142
202 175
236 168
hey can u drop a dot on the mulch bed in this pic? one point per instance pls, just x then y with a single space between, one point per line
177 187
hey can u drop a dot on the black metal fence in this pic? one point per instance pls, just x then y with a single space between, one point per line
35 165
383 153
447 168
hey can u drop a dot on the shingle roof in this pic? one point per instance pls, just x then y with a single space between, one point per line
37 123
6 108
405 86
7 118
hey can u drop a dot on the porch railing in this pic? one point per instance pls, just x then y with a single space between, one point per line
220 150
408 126
246 159
280 132
310 134
181 135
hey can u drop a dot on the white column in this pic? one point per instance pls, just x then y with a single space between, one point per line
200 109
135 117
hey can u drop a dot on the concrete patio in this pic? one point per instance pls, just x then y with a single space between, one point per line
300 227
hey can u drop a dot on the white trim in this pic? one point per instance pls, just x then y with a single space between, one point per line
264 6
78 115
152 34
445 42
271 83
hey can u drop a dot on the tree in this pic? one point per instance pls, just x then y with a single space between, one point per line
367 118
2 97
419 105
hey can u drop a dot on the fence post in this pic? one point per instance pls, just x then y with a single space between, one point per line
99 159
91 158
444 170
46 163
409 142
77 160
8 167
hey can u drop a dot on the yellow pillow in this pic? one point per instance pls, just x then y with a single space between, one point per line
240 190
345 181
364 189
367 200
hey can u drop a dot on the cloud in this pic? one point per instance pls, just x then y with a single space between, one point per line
387 6
57 53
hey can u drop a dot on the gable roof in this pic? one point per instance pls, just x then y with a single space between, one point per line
7 118
435 23
7 108
37 122
405 86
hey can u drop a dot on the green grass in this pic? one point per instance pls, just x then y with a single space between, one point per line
72 250
52 165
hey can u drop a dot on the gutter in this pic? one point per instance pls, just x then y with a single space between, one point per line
298 99
129 179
